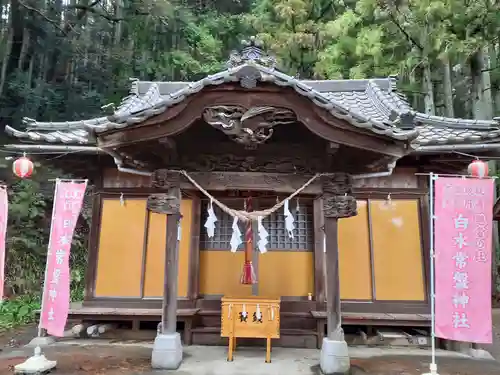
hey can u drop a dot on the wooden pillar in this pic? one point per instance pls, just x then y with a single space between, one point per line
337 204
168 203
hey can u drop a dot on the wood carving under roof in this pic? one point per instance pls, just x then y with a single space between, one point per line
337 184
249 127
339 206
297 163
163 179
164 203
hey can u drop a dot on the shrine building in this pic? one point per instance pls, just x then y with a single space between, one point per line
360 247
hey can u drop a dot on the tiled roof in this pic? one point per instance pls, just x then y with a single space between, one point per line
77 137
368 104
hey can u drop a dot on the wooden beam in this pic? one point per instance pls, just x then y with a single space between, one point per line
194 251
332 280
319 255
278 182
334 208
169 203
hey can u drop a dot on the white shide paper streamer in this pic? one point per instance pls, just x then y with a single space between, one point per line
211 220
263 234
236 236
289 220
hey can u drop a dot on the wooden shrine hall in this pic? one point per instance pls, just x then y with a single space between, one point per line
359 251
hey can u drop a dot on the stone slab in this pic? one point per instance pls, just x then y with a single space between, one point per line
334 357
167 352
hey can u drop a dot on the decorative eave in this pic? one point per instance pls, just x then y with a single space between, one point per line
139 109
371 105
75 137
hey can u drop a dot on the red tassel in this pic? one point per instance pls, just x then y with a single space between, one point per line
248 274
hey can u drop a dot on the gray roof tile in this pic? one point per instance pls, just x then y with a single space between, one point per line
76 137
368 104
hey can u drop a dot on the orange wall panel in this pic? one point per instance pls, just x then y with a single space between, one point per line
155 254
397 250
121 243
220 272
354 256
286 273
120 256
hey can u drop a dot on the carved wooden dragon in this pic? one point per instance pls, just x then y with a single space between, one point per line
248 127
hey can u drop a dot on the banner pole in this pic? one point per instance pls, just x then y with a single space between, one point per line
44 290
432 217
38 363
5 213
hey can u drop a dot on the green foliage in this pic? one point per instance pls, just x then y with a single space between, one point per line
18 311
30 210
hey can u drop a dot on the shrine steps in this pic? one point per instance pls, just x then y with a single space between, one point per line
298 330
290 338
303 329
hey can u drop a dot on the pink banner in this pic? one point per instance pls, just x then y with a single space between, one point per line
4 202
68 201
463 242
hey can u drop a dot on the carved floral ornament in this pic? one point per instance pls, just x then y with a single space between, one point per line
249 127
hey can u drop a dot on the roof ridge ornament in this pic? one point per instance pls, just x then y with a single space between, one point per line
252 52
393 81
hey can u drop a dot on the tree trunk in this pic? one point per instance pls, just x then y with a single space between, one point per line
430 108
447 89
428 90
3 73
495 61
118 25
17 36
482 102
24 49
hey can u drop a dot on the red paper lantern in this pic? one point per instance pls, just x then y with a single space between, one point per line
478 169
22 167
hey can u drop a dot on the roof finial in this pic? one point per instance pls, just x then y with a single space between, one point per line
252 52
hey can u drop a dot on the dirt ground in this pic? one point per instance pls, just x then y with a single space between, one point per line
494 348
135 360
17 337
112 360
420 365
77 360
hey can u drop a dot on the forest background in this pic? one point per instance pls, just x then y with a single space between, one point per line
64 59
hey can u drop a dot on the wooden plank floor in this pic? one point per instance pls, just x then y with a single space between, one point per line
76 309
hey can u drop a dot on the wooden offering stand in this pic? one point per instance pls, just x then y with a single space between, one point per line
250 317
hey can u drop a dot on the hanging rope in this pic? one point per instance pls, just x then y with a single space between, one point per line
244 215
